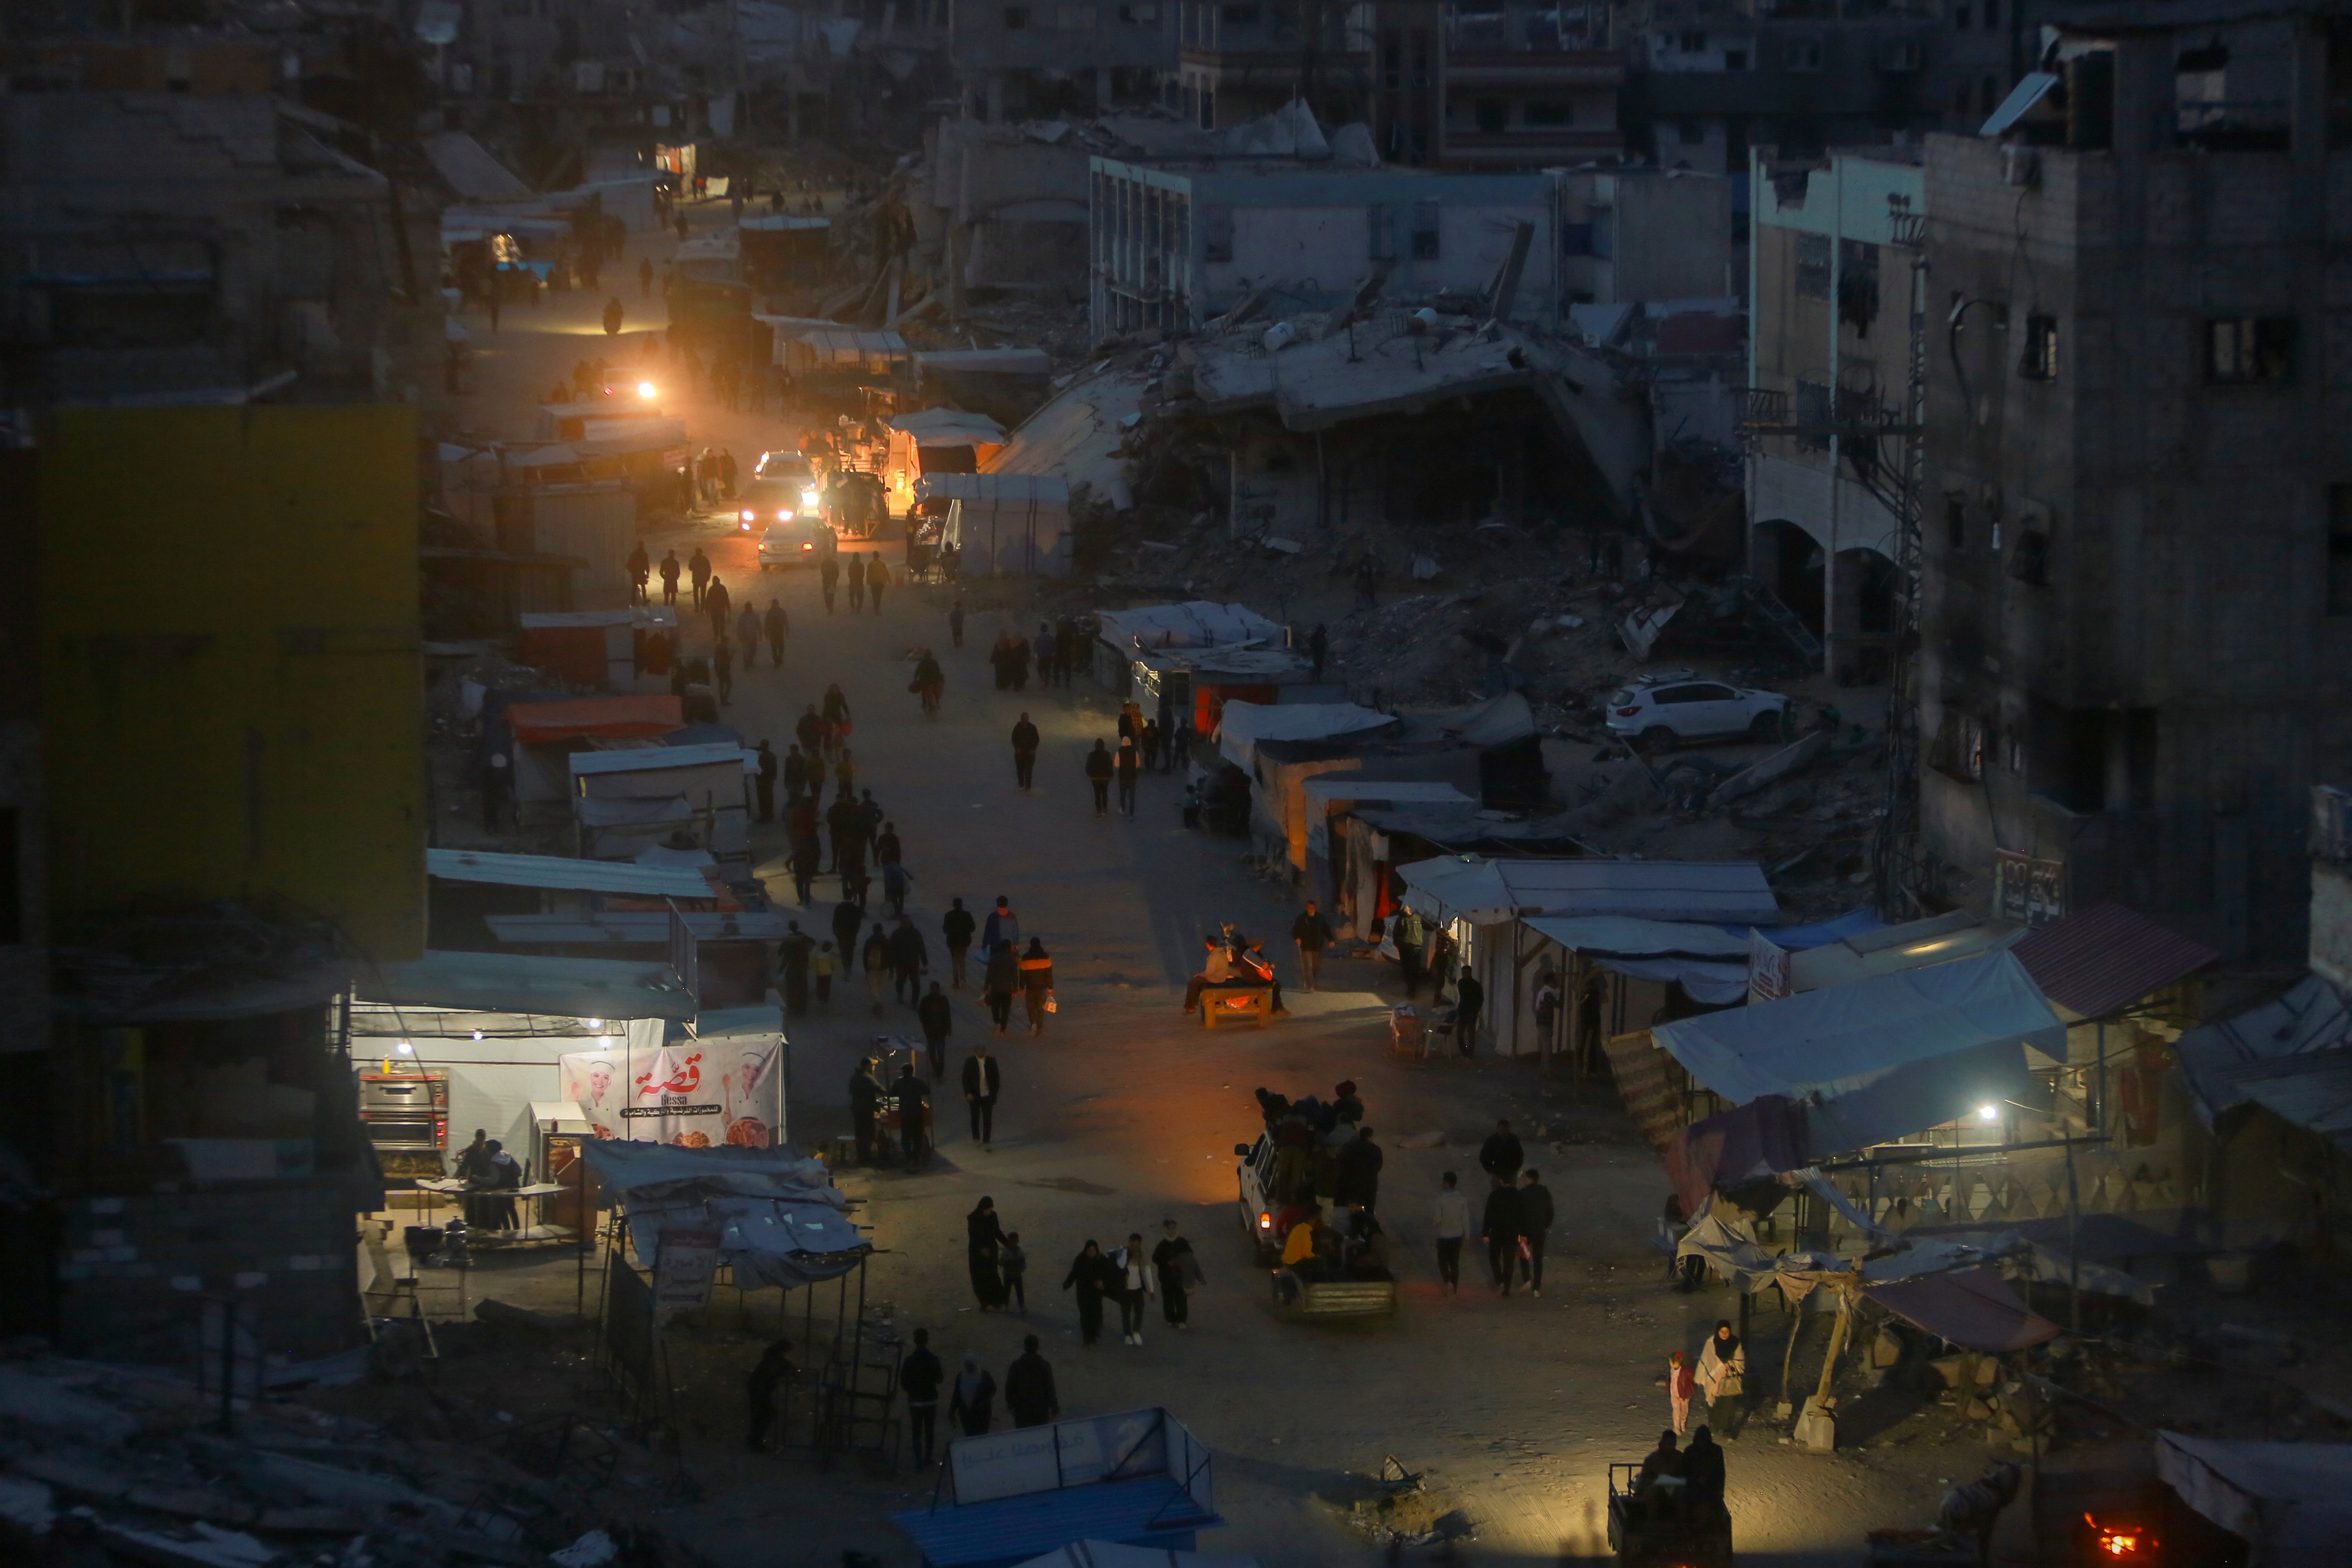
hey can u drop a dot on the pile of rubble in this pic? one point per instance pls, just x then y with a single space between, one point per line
103 1464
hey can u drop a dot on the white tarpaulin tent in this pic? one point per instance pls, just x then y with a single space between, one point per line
1881 1058
1005 525
1198 623
1245 725
2292 1502
1488 891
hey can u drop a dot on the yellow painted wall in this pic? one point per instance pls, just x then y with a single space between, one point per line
230 648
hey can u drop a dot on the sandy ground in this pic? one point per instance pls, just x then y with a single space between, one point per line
1124 1112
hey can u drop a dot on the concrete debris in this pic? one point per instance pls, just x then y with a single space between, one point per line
131 1467
1778 765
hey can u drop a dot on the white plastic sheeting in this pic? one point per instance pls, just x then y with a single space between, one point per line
1245 725
1196 624
1881 1058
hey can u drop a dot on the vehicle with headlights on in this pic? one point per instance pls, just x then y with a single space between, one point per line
797 541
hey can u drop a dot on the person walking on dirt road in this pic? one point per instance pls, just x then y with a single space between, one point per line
955 926
1500 1227
1128 762
1024 752
878 577
1093 1277
998 982
1312 934
640 569
982 1083
1037 984
856 588
779 625
669 578
828 573
697 566
1449 1223
1099 769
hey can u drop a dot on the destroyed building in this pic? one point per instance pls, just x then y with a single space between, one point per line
2137 561
211 247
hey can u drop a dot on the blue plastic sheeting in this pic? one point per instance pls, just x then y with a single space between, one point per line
1155 1511
1880 1058
1821 934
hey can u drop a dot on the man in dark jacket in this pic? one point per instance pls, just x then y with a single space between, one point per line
1312 932
938 1022
913 1097
1501 1230
1470 1000
920 1376
848 832
1500 1155
982 1083
1360 1172
1535 1224
955 926
774 1367
779 625
973 1398
1099 769
1703 1470
769 765
848 920
908 958
1029 1387
1024 752
796 772
864 1106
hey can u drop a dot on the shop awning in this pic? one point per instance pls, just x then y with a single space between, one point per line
1624 936
1975 1308
1489 891
550 987
1889 949
593 718
2313 1092
655 759
1883 1058
2095 963
2293 1501
1245 725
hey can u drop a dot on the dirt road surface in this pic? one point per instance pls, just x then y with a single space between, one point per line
1124 1112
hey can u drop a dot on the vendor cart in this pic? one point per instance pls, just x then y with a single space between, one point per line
1659 1528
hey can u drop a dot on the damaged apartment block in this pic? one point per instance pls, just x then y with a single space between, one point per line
2135 601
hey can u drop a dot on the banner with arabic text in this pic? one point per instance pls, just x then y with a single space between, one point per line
692 1093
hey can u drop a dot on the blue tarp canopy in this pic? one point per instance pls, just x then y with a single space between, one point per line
1882 1057
1153 1511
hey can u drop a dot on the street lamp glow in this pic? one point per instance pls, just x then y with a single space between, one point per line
645 389
1988 1112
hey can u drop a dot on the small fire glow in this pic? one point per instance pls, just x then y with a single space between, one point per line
2120 1542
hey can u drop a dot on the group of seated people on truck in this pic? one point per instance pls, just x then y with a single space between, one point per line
1233 962
1326 1229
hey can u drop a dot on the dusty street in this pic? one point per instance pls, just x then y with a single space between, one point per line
1124 1112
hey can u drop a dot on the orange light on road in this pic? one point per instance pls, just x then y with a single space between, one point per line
645 389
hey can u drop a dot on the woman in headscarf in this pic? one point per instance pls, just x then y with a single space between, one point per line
984 1235
1093 1276
1722 1366
974 1397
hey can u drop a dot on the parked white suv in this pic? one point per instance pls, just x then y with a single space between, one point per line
1657 713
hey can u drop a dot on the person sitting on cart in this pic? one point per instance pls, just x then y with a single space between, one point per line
1703 1472
1659 1486
1251 967
1363 1244
1216 971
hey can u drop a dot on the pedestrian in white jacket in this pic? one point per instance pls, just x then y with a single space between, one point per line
1136 1287
1450 1222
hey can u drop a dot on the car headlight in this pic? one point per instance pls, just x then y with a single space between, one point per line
748 516
808 547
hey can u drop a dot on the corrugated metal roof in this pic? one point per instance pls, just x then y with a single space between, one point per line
2101 961
642 759
2310 1018
1195 624
558 873
547 987
1012 1528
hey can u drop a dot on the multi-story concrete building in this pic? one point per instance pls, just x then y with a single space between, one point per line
1172 243
1508 88
2137 558
1629 235
1033 57
1830 294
